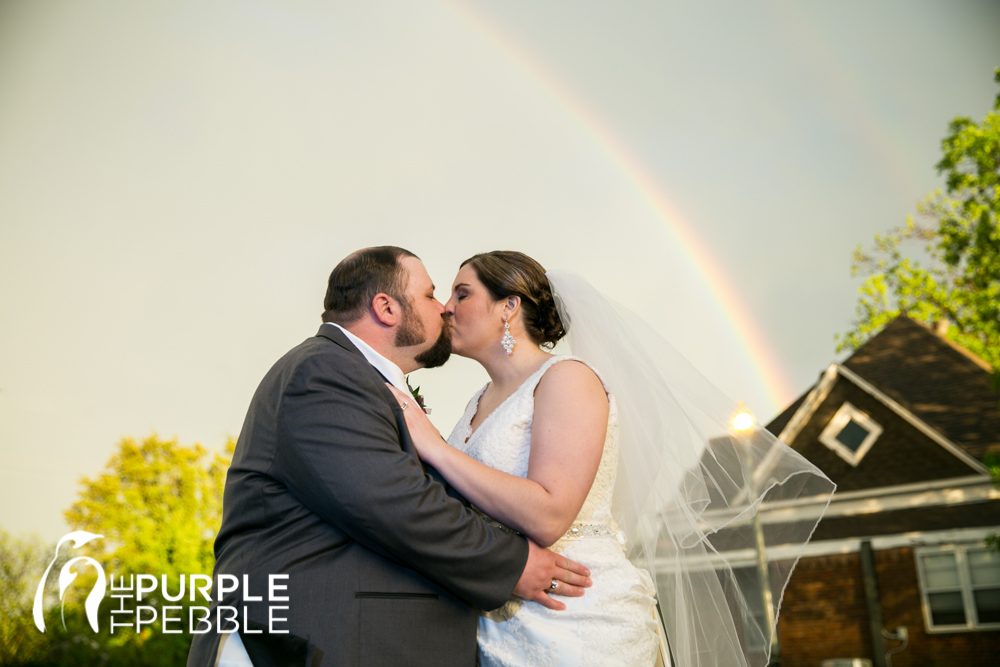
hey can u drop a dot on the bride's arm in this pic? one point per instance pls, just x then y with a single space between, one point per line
567 439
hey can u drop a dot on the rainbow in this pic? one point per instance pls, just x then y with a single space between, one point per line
744 330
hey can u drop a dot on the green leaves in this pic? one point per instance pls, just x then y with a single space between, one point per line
951 270
158 504
960 282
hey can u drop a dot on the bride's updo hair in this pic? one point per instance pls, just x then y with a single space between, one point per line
507 273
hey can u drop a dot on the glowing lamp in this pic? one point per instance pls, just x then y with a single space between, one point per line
743 421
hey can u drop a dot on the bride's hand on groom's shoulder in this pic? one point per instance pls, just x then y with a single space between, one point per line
426 437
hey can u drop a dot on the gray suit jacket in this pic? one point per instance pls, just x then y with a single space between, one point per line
385 563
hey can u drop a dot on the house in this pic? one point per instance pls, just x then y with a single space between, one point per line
899 563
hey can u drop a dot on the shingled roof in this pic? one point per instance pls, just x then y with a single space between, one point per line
941 383
929 416
778 424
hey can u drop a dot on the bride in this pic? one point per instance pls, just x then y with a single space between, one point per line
537 452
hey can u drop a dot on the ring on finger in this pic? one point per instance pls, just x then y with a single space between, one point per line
553 585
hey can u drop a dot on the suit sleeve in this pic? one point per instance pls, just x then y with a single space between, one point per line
339 453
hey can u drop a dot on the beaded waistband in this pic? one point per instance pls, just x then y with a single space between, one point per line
580 530
577 531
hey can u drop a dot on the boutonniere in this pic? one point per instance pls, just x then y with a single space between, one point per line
417 396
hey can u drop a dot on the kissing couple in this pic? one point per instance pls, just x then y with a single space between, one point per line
566 520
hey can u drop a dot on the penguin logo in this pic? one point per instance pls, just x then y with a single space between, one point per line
66 577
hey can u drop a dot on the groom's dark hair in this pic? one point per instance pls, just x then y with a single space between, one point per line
359 277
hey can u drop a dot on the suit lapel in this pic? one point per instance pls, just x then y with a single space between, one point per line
334 334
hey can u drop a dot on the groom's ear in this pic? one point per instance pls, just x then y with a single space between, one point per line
386 309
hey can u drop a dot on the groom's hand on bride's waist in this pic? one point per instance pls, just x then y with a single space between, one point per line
546 574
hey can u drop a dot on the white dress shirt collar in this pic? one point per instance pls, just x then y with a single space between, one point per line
389 370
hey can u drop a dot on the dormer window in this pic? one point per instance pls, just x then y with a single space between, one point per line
851 433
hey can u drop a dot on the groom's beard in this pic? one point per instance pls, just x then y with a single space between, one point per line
439 352
411 332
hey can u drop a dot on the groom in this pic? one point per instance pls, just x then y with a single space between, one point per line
385 564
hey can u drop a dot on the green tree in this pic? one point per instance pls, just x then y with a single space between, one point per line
68 641
22 561
959 278
158 505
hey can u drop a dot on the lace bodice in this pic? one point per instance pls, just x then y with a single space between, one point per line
614 624
503 441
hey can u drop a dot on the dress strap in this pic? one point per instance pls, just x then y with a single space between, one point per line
536 377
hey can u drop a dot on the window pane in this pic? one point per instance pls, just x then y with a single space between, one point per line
988 605
940 571
852 435
947 608
985 567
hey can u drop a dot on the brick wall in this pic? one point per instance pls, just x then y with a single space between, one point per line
823 612
899 591
823 616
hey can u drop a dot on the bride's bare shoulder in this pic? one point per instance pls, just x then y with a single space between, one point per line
571 382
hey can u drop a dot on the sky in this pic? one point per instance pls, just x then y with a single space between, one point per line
178 179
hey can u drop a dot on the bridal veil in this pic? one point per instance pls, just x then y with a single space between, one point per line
691 486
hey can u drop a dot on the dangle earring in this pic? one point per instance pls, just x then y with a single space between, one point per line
507 341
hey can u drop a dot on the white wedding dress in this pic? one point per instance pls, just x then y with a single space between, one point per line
615 622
